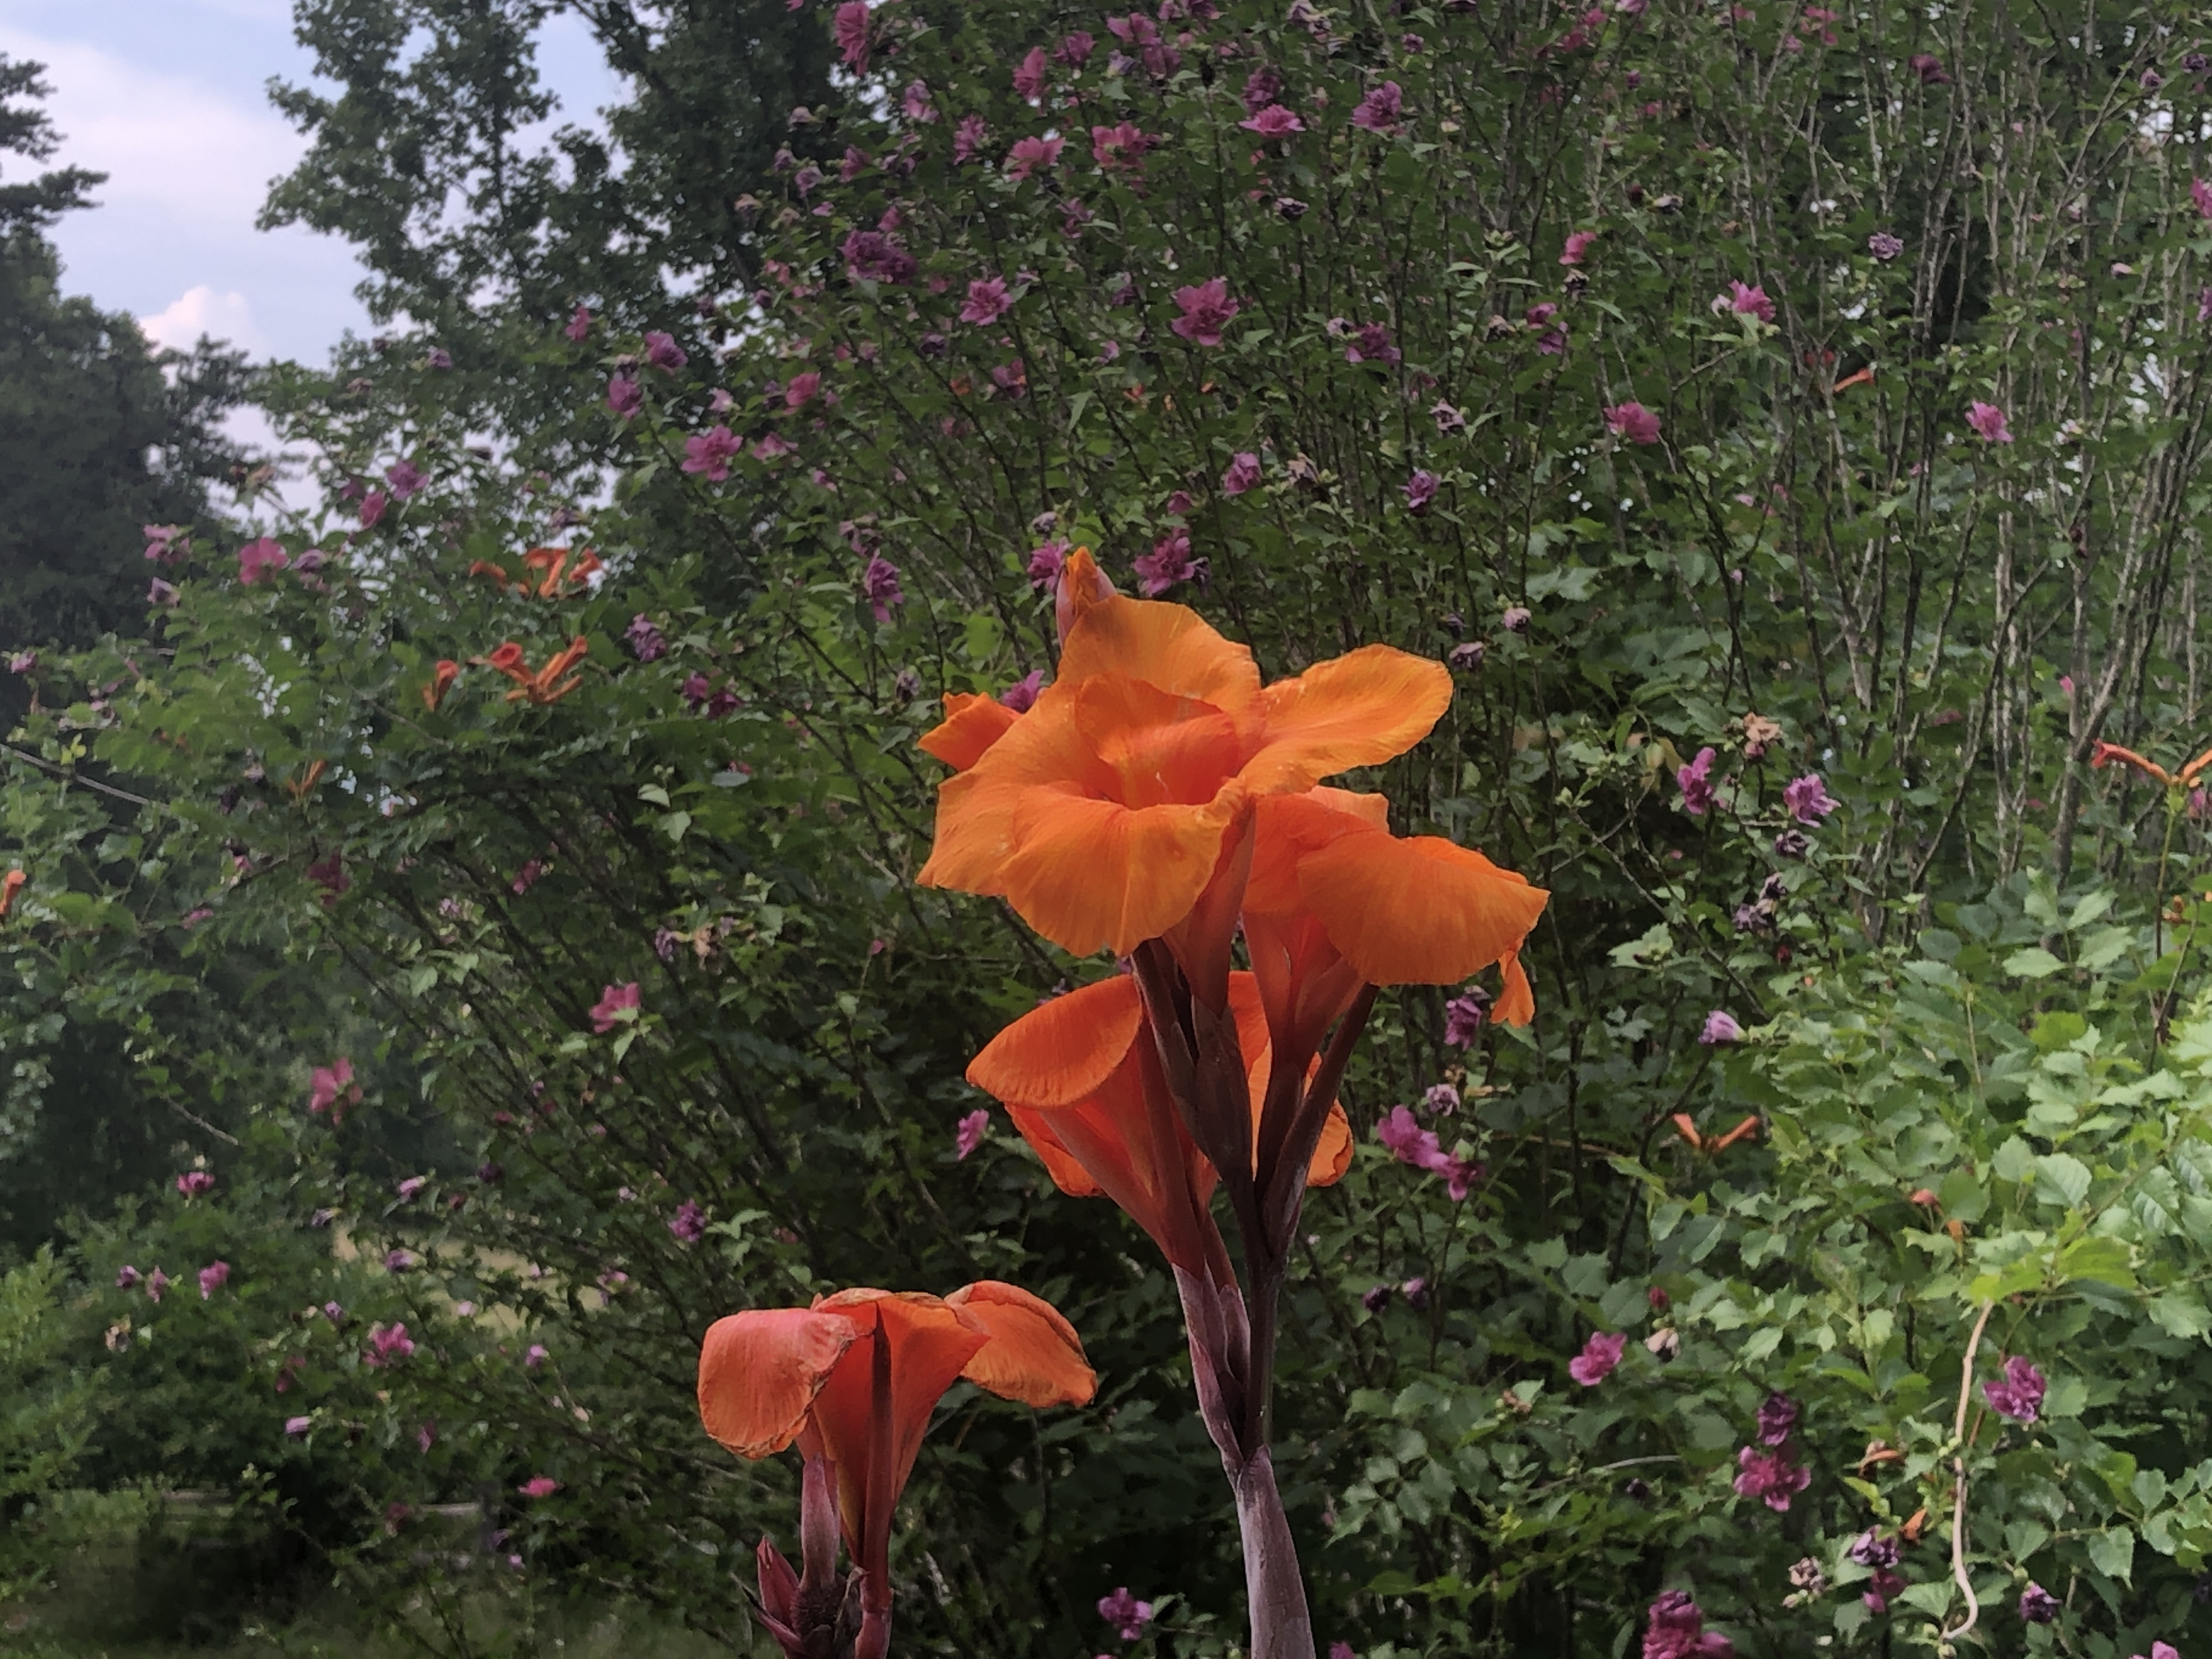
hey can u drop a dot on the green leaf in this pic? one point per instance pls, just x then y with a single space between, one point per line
2061 1179
2103 1260
2034 963
2112 1553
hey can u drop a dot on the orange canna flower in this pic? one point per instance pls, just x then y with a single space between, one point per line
1078 1077
10 884
1101 814
441 681
546 684
972 723
853 1381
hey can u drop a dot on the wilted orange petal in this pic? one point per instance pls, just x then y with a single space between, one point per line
1034 1355
1359 709
1516 1001
759 1373
1093 875
972 724
1170 647
1417 911
1066 1170
1061 1051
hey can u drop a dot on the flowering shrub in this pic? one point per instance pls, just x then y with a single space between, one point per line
1792 471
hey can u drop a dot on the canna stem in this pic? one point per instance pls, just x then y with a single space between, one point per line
1282 1628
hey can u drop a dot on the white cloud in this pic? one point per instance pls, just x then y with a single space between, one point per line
203 311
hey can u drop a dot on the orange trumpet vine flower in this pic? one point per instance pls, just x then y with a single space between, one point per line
853 1380
546 685
551 563
2106 753
441 681
10 884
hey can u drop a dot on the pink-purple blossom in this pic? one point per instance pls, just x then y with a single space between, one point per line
296 1426
1032 155
1169 563
1777 1416
332 1089
851 28
1420 490
1578 243
1119 146
387 1344
663 352
1988 421
1631 421
1885 246
879 583
987 301
874 255
405 478
616 1001
580 325
1807 799
1719 1029
646 639
1126 1614
1465 1016
1599 1356
2019 1394
1746 300
1380 110
1207 308
262 557
969 138
1273 121
711 451
193 1182
800 390
625 396
1044 563
212 1278
1696 782
1074 49
688 1224
970 1132
1028 76
1371 342
2038 1606
1676 1630
544 1485
1771 1474
157 1285
1242 474
1021 696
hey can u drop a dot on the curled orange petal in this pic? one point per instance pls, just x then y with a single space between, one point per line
1359 709
1417 911
1516 1000
971 725
759 1373
441 681
10 884
1062 1051
1092 875
1034 1354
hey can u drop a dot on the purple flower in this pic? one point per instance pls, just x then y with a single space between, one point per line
873 255
1465 1015
625 397
1074 49
1378 112
296 1426
646 641
1273 121
1028 76
157 1283
1167 564
1778 1415
398 1262
2020 1395
1127 1615
1792 844
1885 246
711 453
1748 301
1599 1356
261 557
969 138
800 390
1678 1631
1409 1143
1420 490
688 1224
1806 801
193 1182
212 1278
1031 155
1929 68
1579 243
914 100
127 1278
1376 1297
1881 1589
663 352
879 581
1021 696
1043 567
969 1135
410 1187
387 1344
1696 782
535 1357
1441 1097
1515 619
1207 309
405 478
1720 1027
23 662
164 544
1871 1549
987 302
2038 1606
439 357
372 508
1633 422
579 325
1988 421
1122 145
1371 343
1244 474
1771 1476
852 28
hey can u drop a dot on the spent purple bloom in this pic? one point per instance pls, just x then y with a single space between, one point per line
663 352
1988 421
1464 1017
2019 1395
646 639
1777 1416
1420 490
2038 1606
1380 110
1885 246
1696 782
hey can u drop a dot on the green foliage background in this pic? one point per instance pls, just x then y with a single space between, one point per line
255 850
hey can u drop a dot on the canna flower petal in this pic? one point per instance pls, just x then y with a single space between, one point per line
1062 1052
761 1371
971 725
1419 910
1033 1355
1169 646
1359 709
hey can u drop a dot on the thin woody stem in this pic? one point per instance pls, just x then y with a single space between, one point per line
1958 1487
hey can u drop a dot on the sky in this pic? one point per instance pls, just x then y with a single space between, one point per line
169 97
